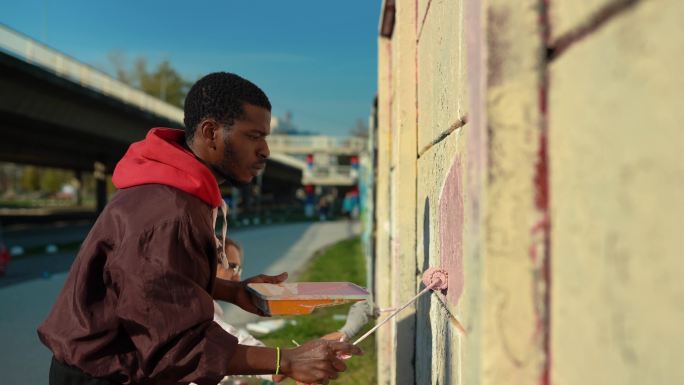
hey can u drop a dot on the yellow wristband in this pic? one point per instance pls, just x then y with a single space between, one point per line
277 361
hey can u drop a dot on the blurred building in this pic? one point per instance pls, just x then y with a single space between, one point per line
531 149
329 159
331 164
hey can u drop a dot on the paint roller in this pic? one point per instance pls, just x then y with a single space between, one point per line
436 280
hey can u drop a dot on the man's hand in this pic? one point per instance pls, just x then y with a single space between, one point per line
237 293
263 278
335 336
317 361
244 297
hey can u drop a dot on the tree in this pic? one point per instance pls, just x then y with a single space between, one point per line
30 179
164 82
52 180
360 129
118 61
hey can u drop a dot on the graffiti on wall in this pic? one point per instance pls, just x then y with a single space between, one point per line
451 231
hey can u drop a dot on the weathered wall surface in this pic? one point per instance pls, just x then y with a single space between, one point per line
530 149
434 164
439 81
514 316
403 187
383 265
617 177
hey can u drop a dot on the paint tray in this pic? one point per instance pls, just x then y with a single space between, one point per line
304 297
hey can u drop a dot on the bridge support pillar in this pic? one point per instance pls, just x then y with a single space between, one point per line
100 186
78 175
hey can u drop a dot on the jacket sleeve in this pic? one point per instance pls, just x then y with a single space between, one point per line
161 277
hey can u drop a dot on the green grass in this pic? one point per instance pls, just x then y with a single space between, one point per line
341 262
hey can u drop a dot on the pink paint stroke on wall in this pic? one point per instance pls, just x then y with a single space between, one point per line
451 231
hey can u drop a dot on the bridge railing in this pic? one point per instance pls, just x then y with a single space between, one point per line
36 53
330 175
307 144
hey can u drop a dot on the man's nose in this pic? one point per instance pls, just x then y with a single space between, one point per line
264 151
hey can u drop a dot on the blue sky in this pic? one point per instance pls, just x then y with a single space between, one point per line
315 58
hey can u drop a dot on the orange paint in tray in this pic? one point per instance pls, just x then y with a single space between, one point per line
303 297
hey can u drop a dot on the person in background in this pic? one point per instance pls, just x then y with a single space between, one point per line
359 315
232 272
5 258
323 207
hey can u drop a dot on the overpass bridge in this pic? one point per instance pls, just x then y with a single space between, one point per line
307 144
58 112
327 172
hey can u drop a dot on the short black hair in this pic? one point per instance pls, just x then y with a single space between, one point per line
220 96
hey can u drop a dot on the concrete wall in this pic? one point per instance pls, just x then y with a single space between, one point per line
529 148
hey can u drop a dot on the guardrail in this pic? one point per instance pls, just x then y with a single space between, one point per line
330 176
306 144
31 51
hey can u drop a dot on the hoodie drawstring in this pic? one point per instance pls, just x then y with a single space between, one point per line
220 243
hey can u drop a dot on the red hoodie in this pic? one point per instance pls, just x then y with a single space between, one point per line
161 158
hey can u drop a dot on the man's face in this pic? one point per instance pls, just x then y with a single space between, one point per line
242 147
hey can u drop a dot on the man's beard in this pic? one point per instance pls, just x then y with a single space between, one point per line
230 179
229 157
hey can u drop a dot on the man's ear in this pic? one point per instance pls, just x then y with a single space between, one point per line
207 131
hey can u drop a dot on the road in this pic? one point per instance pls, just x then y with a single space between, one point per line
32 284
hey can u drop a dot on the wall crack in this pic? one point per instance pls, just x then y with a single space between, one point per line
458 124
422 23
595 21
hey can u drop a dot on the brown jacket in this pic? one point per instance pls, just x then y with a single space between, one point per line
137 307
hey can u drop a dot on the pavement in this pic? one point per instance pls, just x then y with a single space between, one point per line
32 284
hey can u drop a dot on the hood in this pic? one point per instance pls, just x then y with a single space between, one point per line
161 159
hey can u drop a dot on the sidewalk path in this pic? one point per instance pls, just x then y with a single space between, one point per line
27 295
